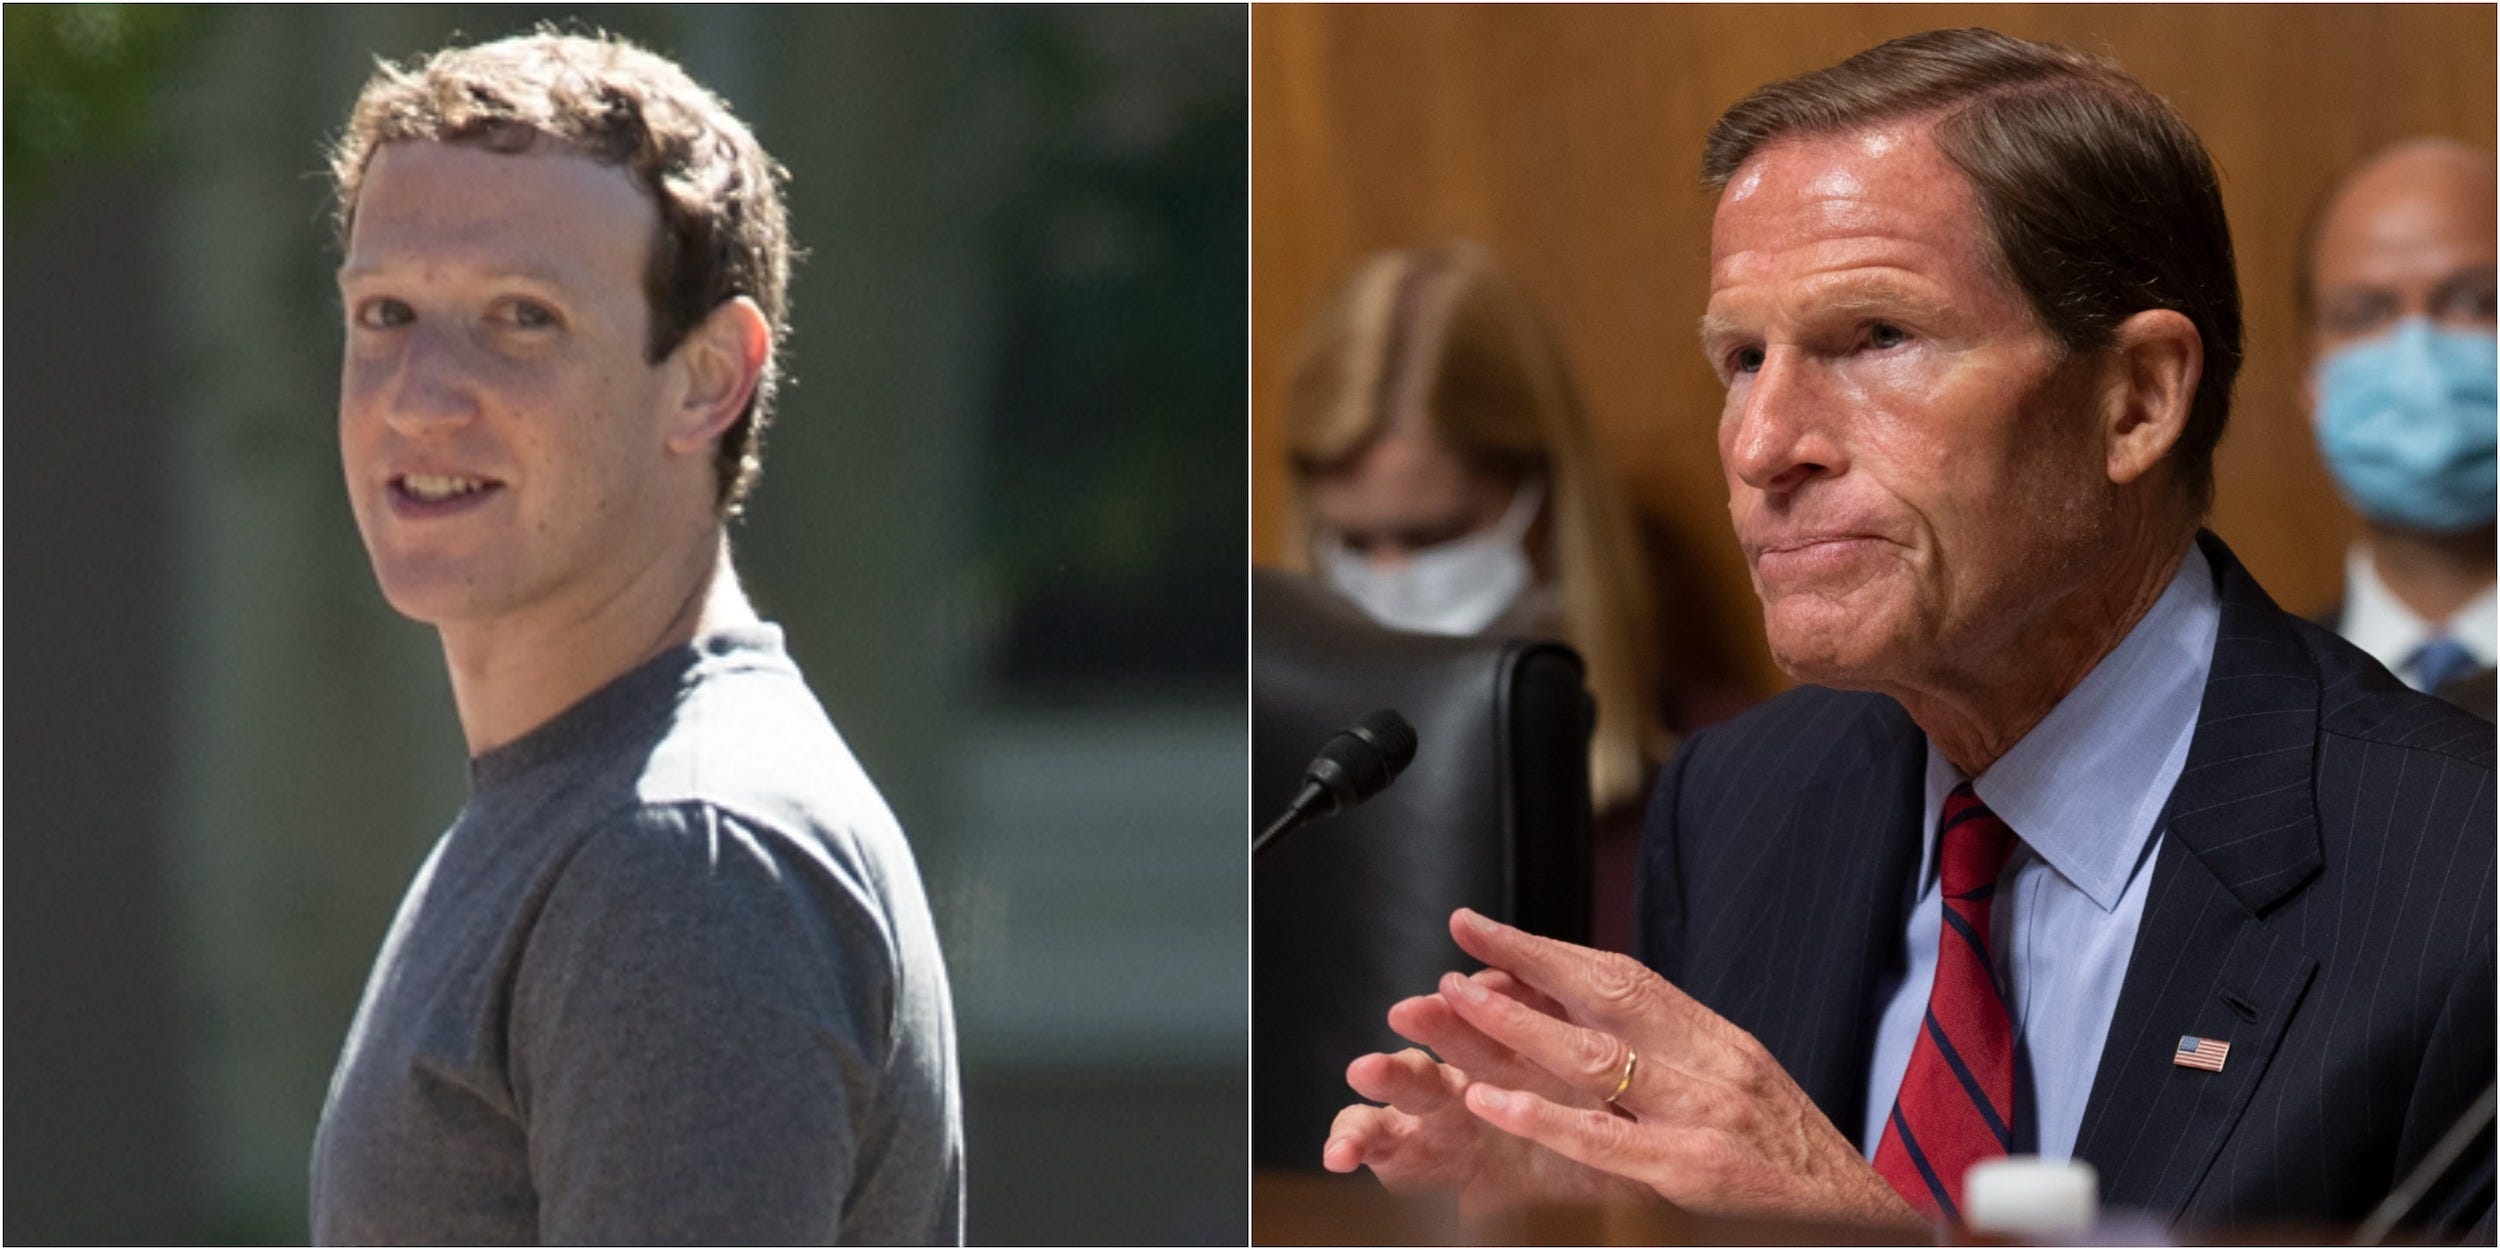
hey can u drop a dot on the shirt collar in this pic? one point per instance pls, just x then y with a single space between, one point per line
2075 789
2376 621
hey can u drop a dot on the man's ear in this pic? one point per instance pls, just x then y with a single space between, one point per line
2158 360
720 362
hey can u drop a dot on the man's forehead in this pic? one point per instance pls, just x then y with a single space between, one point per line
2424 205
1834 157
1881 198
1885 179
461 170
551 210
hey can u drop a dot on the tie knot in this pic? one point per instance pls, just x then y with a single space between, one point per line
1974 844
2438 660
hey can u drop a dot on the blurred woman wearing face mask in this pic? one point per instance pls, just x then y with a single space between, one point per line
1446 482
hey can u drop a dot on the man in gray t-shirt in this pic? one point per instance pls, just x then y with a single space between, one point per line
671 976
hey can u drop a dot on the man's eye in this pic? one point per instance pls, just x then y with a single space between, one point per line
2358 313
383 314
2470 304
1881 336
1746 360
529 314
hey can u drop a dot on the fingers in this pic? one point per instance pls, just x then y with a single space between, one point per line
1424 1020
1518 991
1408 1080
1585 1060
1358 1135
1414 1087
1603 989
1429 1021
1602 1141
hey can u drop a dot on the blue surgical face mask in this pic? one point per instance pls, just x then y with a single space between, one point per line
2407 424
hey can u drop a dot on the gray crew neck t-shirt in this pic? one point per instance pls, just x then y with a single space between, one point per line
669 978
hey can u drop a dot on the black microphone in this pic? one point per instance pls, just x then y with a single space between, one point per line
1359 762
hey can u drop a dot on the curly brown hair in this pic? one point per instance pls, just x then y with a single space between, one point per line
723 230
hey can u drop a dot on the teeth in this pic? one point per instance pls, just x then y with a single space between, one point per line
434 489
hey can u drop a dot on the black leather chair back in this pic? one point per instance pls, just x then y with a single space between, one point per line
1351 912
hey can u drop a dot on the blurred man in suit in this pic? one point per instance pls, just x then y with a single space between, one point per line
2396 286
670 976
2078 846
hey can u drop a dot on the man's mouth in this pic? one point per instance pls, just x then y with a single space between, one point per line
1793 559
1791 546
418 495
436 488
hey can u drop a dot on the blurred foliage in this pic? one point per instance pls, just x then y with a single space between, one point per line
82 83
1115 464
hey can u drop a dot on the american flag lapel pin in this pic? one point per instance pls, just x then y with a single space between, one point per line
2206 1053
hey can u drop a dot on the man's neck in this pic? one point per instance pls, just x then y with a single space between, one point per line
2432 575
1976 715
510 676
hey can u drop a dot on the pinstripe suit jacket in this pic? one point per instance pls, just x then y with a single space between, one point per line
2322 901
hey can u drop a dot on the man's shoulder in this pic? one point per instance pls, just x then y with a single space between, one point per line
689 899
2399 786
1738 776
679 852
747 813
753 745
1801 734
2357 700
2360 702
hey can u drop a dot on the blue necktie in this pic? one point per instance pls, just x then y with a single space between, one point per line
2439 660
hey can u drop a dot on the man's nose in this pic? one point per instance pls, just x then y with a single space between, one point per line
433 384
1781 437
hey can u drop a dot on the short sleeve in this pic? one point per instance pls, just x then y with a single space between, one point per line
698 1023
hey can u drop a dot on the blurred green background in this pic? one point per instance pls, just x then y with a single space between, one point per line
1002 518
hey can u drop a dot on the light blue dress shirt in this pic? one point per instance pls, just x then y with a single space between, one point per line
2081 792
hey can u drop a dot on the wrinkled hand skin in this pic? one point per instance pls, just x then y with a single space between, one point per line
1427 1140
1530 1049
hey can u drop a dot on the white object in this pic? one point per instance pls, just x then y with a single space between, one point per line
1456 587
2027 1196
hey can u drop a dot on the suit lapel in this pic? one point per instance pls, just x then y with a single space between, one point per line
1861 821
2242 833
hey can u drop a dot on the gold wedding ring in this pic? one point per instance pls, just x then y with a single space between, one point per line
1631 1060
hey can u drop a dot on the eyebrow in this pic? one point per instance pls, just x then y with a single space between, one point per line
550 276
1847 297
2470 280
1879 295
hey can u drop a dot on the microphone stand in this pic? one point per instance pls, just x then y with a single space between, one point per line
1359 762
1305 805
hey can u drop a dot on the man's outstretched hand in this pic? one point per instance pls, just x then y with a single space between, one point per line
1515 1109
1426 1138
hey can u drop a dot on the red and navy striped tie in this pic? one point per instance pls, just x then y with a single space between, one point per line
1956 1105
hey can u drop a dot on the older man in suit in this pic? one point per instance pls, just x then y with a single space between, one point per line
2077 846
